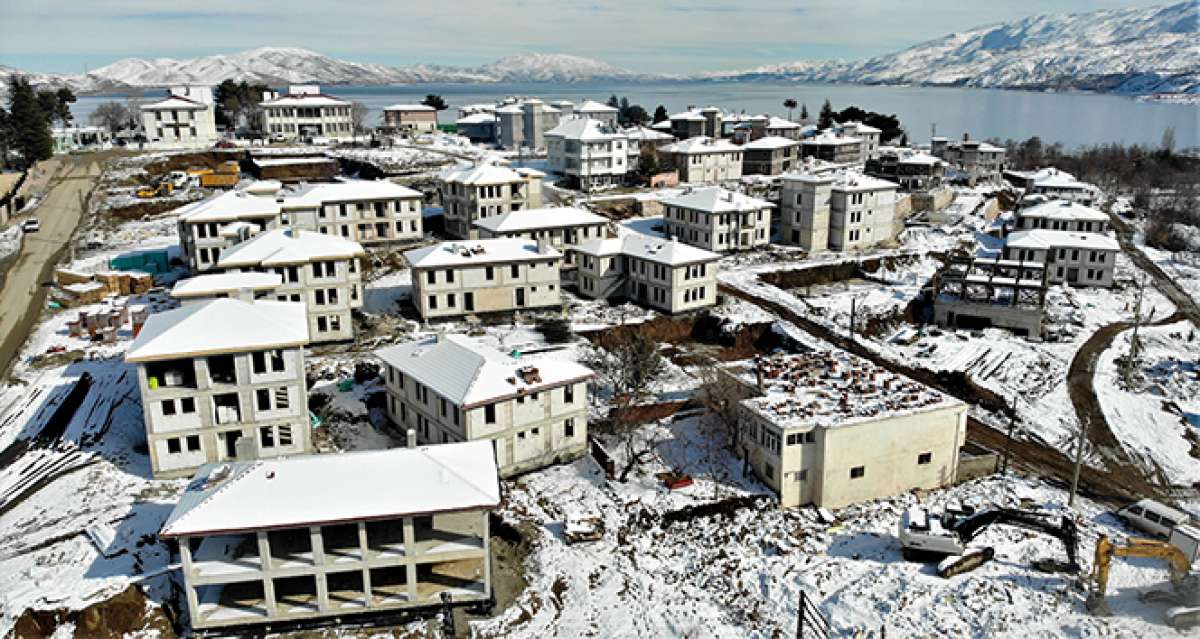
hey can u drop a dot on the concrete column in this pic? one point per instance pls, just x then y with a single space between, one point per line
364 548
487 554
193 602
264 554
410 551
318 552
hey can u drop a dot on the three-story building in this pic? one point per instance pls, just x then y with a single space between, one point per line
483 190
717 219
664 274
452 279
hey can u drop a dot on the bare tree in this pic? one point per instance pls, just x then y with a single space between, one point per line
358 116
114 116
628 363
1168 140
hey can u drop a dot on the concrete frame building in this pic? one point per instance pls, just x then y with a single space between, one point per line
977 161
645 140
523 123
409 119
450 388
293 542
704 160
365 211
718 220
828 428
304 113
589 153
696 123
771 155
453 279
834 148
911 170
186 118
867 134
323 271
975 293
469 193
1078 259
663 274
563 227
222 380
840 211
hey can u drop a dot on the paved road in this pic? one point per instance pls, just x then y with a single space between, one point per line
23 296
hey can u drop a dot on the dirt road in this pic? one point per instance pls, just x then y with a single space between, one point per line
1163 282
23 297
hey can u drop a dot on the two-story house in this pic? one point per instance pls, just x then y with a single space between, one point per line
483 190
222 380
705 160
185 118
323 271
450 388
1071 257
452 279
717 219
1062 215
663 274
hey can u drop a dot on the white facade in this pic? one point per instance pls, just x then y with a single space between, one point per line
562 227
186 118
222 380
867 134
705 160
453 279
1078 259
304 113
841 211
590 153
830 429
451 388
667 275
469 193
717 219
977 161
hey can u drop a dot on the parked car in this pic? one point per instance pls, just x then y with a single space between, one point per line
1152 517
32 225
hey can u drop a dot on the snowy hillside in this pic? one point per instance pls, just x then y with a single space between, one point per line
542 67
1134 51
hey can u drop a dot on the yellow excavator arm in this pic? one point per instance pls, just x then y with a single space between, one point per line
1135 547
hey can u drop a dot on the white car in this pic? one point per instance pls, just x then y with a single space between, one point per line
32 225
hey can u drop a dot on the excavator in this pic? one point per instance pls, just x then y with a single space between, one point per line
1184 596
924 534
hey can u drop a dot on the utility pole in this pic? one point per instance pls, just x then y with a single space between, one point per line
852 311
1131 359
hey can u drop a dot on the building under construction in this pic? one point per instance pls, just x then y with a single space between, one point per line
973 292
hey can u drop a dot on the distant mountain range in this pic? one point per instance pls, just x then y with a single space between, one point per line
1131 51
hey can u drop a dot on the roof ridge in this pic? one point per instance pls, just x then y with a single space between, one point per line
424 450
250 465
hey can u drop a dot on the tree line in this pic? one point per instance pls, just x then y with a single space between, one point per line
26 121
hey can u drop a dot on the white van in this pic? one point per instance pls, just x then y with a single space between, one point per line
1150 516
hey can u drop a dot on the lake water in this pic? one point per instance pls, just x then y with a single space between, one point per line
1075 119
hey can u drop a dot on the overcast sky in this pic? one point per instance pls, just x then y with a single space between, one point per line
672 36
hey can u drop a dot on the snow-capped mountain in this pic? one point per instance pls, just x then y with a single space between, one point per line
1124 50
544 67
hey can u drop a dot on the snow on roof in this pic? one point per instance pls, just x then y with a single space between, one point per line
289 246
585 129
715 199
919 157
770 142
1051 239
476 118
263 162
646 134
780 123
664 125
826 137
224 325
702 144
543 218
305 100
693 116
214 283
591 106
670 252
312 490
347 190
174 102
408 107
843 180
1063 210
829 388
481 174
471 374
511 109
468 252
267 198
230 206
860 127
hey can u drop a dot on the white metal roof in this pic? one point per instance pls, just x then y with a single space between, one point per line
702 144
312 490
716 199
770 142
585 129
348 190
1063 210
289 246
214 283
644 133
780 123
477 118
470 374
592 106
305 100
1051 239
670 252
831 138
175 102
408 107
843 180
534 219
267 198
481 174
468 252
215 326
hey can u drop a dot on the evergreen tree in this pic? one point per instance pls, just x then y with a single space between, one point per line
904 139
66 98
803 112
435 101
660 114
635 114
614 102
825 119
28 124
790 105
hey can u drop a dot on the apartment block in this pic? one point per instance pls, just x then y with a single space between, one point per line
322 271
1078 259
717 219
185 118
831 147
1062 215
770 155
831 429
910 169
450 388
589 153
839 211
1053 184
311 540
305 114
222 380
452 279
868 135
663 274
563 227
974 161
483 190
705 160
